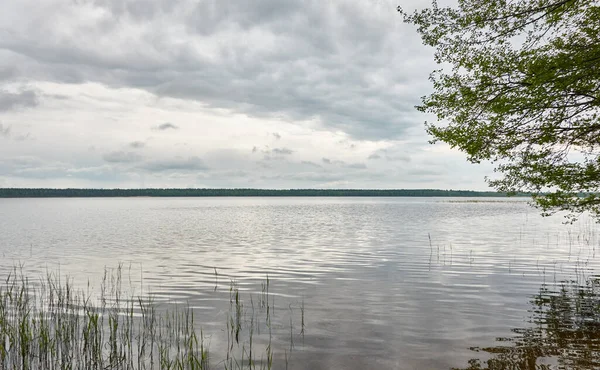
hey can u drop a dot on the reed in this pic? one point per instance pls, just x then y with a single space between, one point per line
48 324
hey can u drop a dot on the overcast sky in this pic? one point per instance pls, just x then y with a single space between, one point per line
218 93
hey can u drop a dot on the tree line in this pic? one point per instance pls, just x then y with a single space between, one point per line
68 193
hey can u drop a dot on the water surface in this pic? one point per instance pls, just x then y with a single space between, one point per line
388 283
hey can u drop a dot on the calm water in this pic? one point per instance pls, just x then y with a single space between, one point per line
387 283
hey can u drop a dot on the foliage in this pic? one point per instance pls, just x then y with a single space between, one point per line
522 91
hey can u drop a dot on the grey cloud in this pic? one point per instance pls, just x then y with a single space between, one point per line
56 96
167 126
276 135
137 144
341 64
374 156
276 153
330 161
8 73
8 132
23 99
313 164
193 163
357 166
23 137
390 155
121 157
346 143
282 151
4 131
210 16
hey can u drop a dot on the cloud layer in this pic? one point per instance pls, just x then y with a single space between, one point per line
267 93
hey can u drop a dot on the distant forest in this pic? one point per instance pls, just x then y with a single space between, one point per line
82 193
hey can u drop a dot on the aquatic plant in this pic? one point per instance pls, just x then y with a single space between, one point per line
49 324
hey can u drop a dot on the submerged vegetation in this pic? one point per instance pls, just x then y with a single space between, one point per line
59 193
49 324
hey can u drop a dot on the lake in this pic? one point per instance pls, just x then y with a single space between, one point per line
386 283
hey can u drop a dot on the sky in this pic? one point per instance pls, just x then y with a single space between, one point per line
218 93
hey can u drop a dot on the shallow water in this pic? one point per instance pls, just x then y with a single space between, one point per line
387 283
